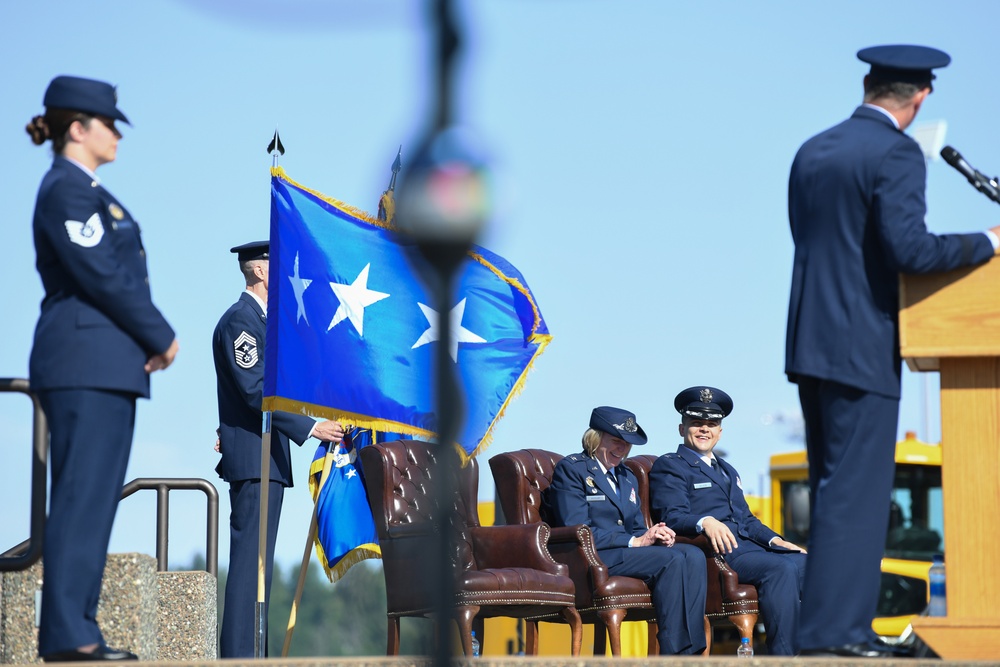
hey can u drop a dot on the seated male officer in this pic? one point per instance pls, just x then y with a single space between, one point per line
595 488
696 492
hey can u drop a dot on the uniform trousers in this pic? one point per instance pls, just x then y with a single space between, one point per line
238 627
678 580
851 443
89 445
779 578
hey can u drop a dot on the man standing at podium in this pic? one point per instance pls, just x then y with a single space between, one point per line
856 208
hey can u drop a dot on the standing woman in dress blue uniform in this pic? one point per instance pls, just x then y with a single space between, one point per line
98 338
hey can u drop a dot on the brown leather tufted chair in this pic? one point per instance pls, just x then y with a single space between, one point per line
499 570
728 600
521 477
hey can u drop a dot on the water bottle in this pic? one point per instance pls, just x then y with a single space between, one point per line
935 576
475 645
745 650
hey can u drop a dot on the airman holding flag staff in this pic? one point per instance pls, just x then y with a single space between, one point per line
238 349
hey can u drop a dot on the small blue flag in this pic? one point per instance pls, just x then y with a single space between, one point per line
345 530
352 331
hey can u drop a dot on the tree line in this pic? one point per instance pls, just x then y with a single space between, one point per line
342 619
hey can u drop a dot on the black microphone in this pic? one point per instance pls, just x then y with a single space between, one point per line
985 185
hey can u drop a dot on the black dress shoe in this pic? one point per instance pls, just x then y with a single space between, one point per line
862 650
897 650
98 654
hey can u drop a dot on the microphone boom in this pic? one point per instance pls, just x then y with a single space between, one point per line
987 186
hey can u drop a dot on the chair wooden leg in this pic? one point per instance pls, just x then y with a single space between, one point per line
613 622
464 616
392 644
572 617
531 637
652 644
708 636
744 623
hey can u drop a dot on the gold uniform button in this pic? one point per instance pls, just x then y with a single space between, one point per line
619 522
146 280
142 253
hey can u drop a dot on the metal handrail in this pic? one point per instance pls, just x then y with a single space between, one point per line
163 486
27 553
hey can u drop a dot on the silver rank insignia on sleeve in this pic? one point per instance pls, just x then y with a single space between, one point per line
245 347
85 234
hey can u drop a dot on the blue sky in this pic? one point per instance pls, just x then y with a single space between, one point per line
640 153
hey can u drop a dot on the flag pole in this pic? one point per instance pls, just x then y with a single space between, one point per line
260 608
310 539
260 611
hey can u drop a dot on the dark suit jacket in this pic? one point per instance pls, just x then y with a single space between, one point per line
238 349
581 493
684 489
856 208
98 324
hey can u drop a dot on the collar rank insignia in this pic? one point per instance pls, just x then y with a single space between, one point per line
706 395
116 211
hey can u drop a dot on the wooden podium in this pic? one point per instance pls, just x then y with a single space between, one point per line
950 322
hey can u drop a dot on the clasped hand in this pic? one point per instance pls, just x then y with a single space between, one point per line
657 534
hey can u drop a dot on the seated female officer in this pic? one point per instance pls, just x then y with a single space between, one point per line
596 489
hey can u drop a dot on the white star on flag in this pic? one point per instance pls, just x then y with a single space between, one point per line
299 286
351 473
459 333
354 298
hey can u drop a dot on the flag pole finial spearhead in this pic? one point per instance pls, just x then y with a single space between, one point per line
387 202
275 148
397 165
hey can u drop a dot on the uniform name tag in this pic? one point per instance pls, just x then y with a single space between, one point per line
591 499
703 485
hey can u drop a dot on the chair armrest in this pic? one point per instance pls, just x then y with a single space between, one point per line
718 568
518 545
412 530
574 547
699 541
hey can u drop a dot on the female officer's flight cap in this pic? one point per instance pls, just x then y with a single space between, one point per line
86 95
619 423
252 250
905 63
703 403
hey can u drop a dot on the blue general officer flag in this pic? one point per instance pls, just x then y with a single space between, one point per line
352 331
345 530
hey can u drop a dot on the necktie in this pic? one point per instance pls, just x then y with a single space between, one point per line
718 468
614 483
